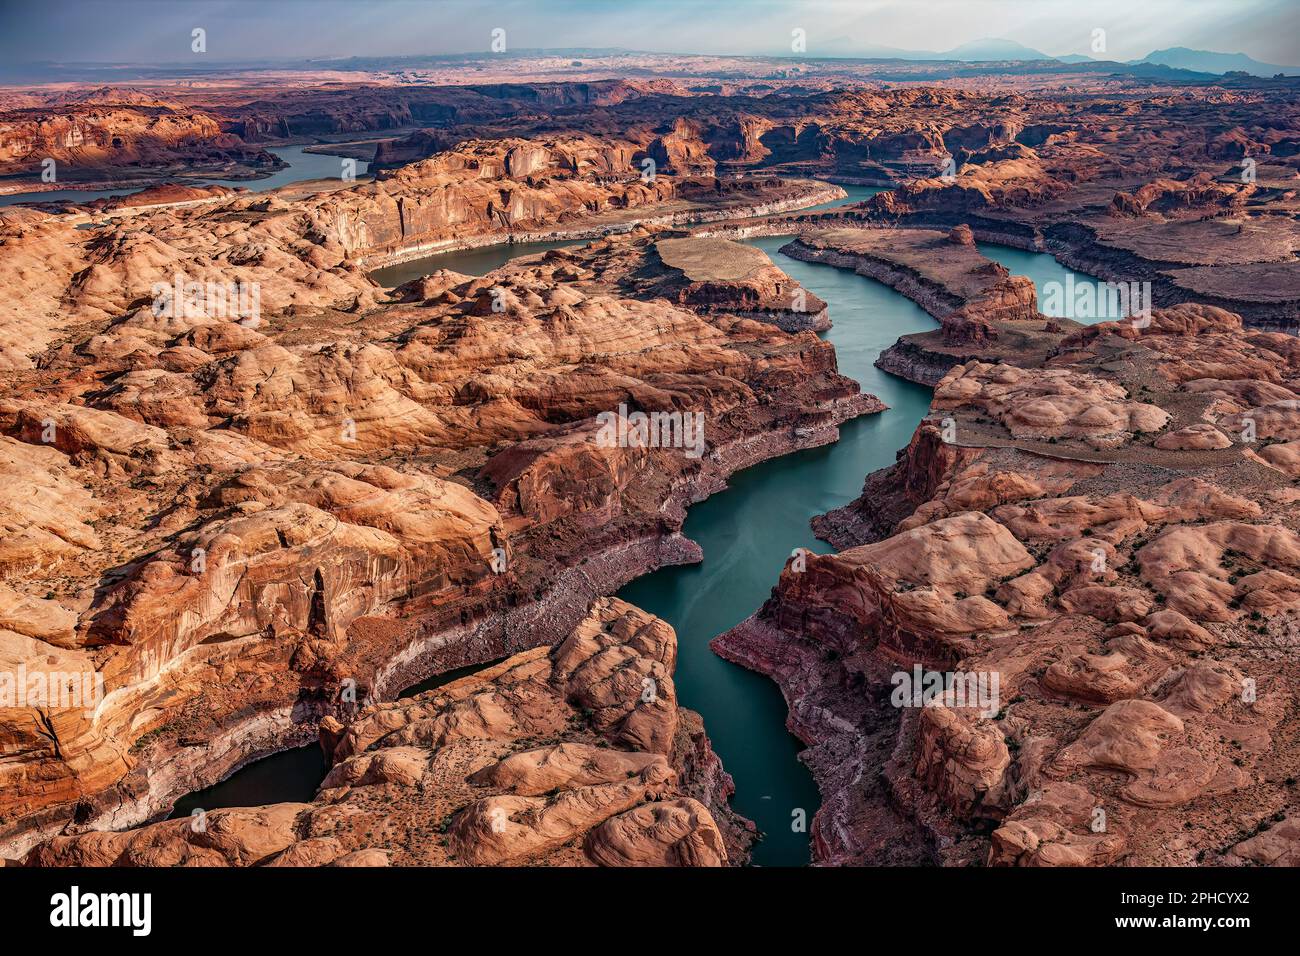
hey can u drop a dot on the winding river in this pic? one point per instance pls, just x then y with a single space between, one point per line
747 532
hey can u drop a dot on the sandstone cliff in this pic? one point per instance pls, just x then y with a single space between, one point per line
1111 542
575 754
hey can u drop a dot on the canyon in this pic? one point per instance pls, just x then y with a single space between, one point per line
569 755
258 521
334 518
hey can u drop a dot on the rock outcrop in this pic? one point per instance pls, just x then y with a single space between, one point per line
570 755
1093 562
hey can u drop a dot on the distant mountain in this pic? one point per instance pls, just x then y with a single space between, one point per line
1207 61
998 49
989 48
992 48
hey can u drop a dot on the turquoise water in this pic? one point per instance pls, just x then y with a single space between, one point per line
302 166
749 530
291 776
744 712
1046 271
65 195
746 532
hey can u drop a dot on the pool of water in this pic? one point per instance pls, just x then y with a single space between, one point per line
302 166
446 677
290 776
470 262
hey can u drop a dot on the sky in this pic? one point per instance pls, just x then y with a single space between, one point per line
159 31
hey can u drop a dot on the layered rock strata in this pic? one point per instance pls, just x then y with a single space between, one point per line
1099 556
571 755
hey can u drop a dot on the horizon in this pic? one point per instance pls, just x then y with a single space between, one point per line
142 32
465 441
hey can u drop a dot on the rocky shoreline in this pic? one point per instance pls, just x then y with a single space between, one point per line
908 360
1120 678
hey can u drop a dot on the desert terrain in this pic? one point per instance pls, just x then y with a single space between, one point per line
258 494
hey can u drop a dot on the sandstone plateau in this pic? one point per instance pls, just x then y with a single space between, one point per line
257 521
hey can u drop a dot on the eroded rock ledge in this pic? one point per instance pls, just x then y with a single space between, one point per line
1106 534
575 754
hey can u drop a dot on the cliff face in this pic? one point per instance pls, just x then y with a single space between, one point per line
242 526
576 754
513 187
1117 622
847 132
89 141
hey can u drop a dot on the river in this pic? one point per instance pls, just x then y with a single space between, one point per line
747 532
302 166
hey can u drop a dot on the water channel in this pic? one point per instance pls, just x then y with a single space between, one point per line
747 532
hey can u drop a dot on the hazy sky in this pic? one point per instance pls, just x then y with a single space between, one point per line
158 31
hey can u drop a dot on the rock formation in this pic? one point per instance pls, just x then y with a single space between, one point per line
235 520
575 754
1102 542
